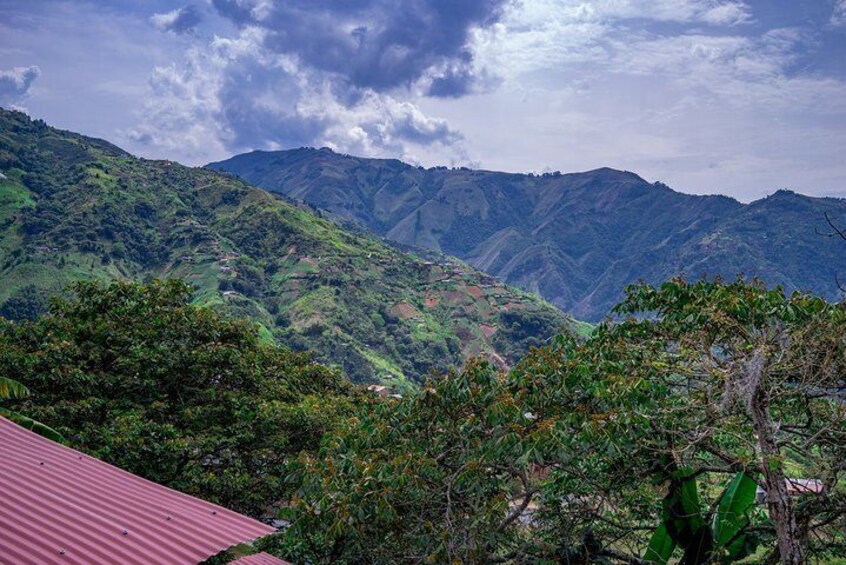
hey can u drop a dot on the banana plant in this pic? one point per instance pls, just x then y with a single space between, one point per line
11 389
722 538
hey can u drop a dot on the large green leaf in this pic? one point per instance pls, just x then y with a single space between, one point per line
700 548
731 515
10 388
682 508
683 519
32 425
661 547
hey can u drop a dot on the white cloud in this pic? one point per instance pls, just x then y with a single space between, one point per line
233 95
15 83
182 113
838 16
713 12
543 34
705 105
732 13
181 20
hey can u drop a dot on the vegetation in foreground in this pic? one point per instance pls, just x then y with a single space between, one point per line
645 443
136 376
708 426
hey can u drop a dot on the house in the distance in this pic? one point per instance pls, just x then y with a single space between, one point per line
60 506
380 390
795 487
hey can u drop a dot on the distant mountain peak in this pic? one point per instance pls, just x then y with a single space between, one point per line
786 193
578 238
611 172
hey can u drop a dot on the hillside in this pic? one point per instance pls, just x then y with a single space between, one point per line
72 207
576 239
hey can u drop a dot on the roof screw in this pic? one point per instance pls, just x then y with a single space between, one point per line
169 518
214 512
125 532
61 551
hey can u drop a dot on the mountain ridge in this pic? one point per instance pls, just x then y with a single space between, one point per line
75 207
577 239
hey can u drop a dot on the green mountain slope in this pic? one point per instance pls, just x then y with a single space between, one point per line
576 239
73 207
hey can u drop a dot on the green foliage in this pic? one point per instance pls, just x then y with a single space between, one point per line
26 304
661 546
733 518
522 330
639 440
724 540
429 477
683 517
11 389
136 376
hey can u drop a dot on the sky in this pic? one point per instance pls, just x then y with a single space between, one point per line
708 96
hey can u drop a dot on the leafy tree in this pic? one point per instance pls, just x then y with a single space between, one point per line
136 376
706 381
645 443
11 389
26 304
427 479
767 373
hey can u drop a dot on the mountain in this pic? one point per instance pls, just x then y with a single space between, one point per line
73 207
576 239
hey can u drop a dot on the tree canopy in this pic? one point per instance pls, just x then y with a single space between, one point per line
645 443
136 376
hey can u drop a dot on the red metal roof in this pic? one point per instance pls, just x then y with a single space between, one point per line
259 559
61 506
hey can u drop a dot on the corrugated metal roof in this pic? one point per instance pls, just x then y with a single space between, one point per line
260 559
61 506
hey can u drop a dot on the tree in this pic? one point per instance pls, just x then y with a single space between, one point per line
644 443
135 375
439 477
26 304
706 381
11 389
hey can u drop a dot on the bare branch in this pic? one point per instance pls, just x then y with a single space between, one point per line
836 232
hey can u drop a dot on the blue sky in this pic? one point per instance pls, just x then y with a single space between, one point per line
708 96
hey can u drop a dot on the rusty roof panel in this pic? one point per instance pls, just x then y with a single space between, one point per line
259 559
62 506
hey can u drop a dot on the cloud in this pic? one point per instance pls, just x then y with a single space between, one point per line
712 12
684 92
376 44
838 16
181 20
731 14
348 74
15 83
234 94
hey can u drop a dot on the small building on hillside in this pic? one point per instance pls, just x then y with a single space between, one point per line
795 487
381 390
60 506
